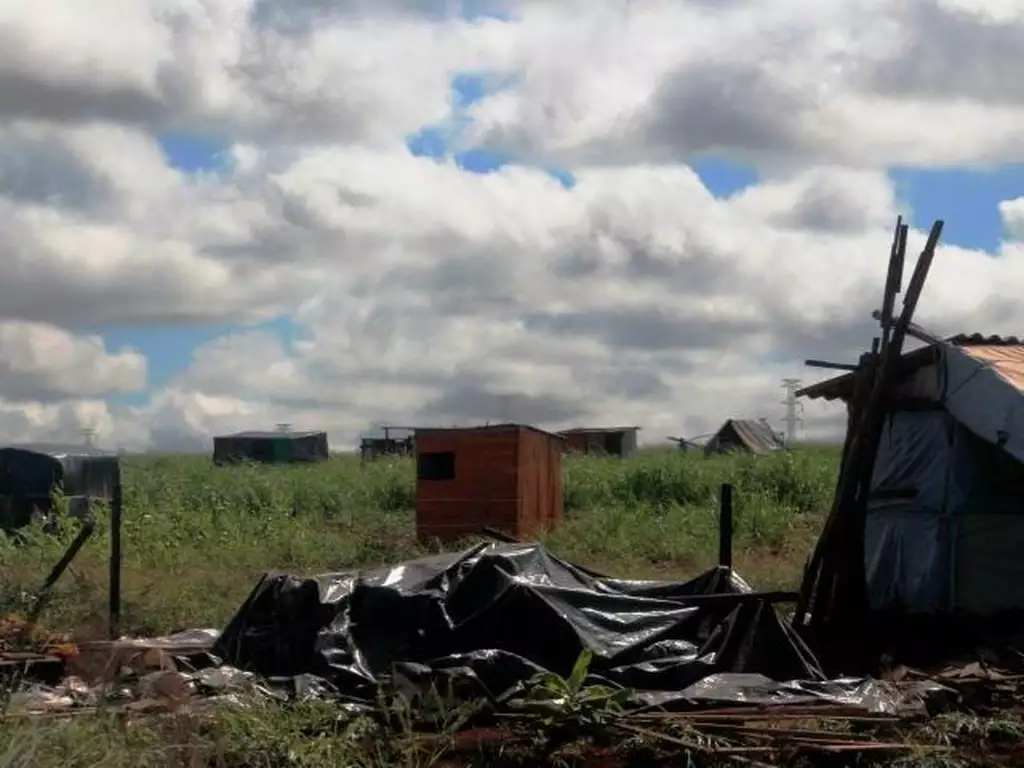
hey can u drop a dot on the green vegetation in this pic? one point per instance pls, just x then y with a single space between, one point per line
197 537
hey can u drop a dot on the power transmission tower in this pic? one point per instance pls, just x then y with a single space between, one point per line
793 409
89 436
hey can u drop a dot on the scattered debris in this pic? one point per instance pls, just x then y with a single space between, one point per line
506 641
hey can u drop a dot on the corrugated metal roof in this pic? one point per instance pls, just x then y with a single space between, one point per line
1005 360
841 387
757 436
973 344
978 339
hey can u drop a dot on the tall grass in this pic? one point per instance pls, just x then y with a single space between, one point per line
196 536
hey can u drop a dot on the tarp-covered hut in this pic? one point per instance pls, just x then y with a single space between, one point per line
601 441
945 518
270 447
30 473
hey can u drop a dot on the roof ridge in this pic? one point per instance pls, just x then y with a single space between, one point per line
979 339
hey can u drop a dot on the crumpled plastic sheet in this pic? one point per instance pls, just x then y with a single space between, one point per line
481 622
875 696
159 687
185 641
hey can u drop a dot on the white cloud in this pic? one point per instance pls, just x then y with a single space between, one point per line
864 82
635 297
1012 212
369 74
425 293
44 363
58 422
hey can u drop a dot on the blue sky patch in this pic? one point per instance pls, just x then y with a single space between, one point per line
478 10
195 153
169 349
428 142
967 200
722 177
435 141
481 160
468 88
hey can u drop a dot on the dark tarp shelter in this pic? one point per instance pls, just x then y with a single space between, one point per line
373 448
495 614
745 435
608 441
945 517
30 473
270 447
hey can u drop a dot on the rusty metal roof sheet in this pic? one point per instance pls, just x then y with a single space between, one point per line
1008 349
978 339
1007 361
841 387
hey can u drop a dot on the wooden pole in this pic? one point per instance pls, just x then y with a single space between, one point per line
725 526
116 506
833 586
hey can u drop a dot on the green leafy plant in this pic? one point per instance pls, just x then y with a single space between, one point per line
569 701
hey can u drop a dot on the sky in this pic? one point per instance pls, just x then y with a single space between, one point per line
341 214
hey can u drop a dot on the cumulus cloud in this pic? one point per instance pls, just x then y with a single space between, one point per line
63 422
420 292
855 83
1012 212
622 299
44 363
244 68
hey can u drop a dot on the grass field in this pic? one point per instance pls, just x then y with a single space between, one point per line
197 537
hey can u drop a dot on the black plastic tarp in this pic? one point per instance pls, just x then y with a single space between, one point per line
270 447
30 473
498 613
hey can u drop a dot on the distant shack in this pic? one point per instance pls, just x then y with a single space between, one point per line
373 448
270 447
745 436
601 441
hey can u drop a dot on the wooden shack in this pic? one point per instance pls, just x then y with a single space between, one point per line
506 476
745 436
601 441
